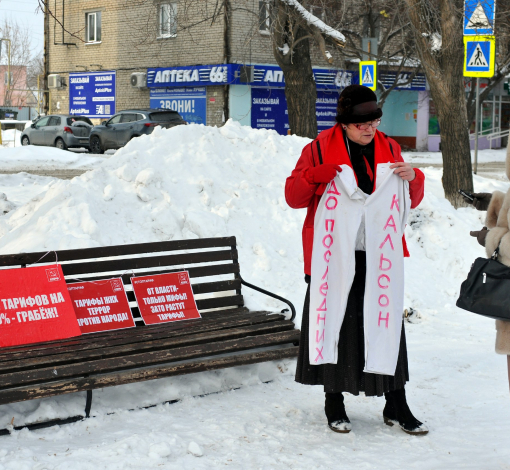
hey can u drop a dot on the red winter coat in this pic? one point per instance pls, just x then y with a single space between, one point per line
299 193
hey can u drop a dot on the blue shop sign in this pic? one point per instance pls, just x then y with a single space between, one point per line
237 74
418 83
196 75
272 76
189 102
269 109
92 94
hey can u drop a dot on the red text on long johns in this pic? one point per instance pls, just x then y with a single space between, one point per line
327 242
385 265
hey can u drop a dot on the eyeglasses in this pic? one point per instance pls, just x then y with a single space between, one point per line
364 127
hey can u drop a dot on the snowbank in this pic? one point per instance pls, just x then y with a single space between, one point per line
186 182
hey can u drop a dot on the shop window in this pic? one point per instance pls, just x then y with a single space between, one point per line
433 122
167 20
93 26
264 17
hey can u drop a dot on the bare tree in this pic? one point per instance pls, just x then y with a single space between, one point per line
502 69
438 32
20 56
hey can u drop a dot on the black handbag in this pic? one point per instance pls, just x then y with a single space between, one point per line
486 290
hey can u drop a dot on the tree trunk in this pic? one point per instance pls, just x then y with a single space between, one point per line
457 172
301 94
300 88
444 71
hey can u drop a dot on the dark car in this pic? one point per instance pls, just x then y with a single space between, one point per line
58 130
121 128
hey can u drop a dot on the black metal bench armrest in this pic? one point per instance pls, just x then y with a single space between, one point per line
259 289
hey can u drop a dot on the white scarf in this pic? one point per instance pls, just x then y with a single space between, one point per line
347 219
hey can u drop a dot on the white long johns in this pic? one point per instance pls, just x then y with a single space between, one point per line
347 219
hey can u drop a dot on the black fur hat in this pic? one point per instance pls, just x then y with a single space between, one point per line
357 104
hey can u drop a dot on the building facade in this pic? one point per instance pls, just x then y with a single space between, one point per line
207 65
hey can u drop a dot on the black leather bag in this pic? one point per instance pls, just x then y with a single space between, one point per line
486 290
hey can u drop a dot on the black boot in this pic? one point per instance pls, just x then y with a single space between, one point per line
335 412
397 411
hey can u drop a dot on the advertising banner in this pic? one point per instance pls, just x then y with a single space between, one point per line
35 306
189 102
165 297
92 94
101 305
325 109
269 109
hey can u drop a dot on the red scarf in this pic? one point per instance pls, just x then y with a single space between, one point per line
336 152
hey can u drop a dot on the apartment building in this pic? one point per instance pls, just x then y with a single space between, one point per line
106 56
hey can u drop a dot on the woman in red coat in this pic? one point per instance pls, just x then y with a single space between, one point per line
356 141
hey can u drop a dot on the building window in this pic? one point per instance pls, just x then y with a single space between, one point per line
93 26
6 78
167 20
264 17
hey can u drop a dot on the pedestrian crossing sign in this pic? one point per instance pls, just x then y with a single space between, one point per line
479 17
479 56
368 74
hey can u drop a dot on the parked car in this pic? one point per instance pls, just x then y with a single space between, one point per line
58 130
121 128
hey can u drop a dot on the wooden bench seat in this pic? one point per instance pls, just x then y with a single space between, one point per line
228 334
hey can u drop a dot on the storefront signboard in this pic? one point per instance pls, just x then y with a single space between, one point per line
189 102
92 94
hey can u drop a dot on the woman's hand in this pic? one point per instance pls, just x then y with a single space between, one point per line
480 235
404 170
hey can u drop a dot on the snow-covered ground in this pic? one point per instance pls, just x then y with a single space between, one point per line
484 156
33 157
196 181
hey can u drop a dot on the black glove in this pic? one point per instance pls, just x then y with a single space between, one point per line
481 201
480 235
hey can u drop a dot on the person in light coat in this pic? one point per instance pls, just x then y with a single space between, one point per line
497 233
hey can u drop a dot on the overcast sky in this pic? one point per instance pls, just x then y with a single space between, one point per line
24 13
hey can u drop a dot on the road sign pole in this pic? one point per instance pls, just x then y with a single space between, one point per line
477 116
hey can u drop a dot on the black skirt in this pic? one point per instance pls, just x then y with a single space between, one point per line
347 375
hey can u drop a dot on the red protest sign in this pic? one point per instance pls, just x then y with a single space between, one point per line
35 306
101 305
165 297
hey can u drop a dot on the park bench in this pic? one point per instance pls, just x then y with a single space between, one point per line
228 334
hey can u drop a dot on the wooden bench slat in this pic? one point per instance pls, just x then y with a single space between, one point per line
153 357
217 302
22 350
101 346
116 250
156 344
205 288
116 265
147 373
194 272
